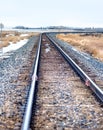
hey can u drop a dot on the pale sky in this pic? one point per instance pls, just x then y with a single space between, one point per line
42 13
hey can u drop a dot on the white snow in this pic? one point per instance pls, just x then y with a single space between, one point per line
10 35
48 48
74 49
23 35
85 55
81 53
15 46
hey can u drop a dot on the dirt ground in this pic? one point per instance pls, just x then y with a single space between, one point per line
90 43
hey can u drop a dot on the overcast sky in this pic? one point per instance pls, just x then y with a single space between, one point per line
40 13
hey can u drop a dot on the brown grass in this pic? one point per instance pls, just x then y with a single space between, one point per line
14 37
4 44
91 43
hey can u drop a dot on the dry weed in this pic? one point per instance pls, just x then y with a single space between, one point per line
4 44
14 37
91 43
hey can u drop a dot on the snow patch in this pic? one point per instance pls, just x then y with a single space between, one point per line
85 55
13 47
23 35
74 49
48 48
82 53
10 35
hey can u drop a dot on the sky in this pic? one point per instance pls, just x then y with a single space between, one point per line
43 13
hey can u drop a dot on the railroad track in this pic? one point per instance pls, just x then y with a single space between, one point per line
84 66
88 81
62 100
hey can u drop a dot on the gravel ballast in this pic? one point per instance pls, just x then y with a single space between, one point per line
14 83
63 101
13 86
93 64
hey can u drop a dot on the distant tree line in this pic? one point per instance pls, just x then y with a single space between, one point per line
63 27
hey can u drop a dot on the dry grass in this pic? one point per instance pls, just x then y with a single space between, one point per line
91 43
14 37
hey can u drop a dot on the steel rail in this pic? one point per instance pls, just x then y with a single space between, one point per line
80 72
28 111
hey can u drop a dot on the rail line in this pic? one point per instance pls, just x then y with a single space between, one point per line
27 116
81 73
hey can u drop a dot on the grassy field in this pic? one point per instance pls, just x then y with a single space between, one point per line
13 37
90 43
